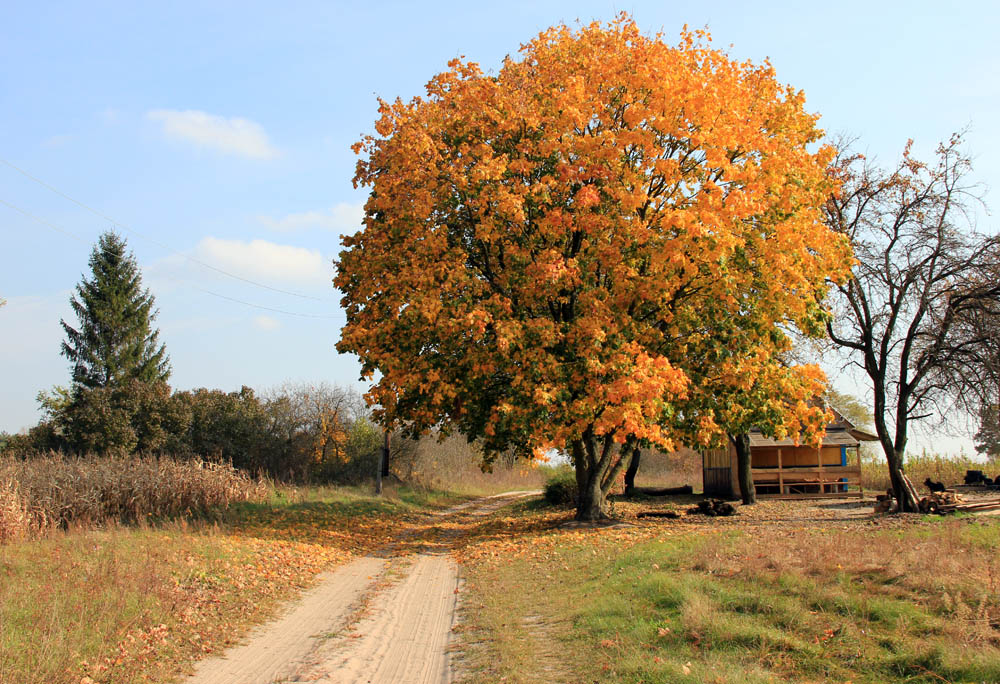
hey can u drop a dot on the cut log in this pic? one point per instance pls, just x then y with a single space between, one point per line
666 491
911 492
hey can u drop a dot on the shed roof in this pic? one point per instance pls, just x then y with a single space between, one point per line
834 437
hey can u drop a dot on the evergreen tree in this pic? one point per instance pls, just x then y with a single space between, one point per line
988 437
114 342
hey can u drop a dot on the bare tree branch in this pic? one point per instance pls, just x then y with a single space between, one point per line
921 311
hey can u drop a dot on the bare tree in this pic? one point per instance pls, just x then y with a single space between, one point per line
912 314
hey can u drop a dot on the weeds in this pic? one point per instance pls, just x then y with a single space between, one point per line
49 492
139 603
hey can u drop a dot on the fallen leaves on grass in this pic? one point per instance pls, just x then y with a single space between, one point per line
199 586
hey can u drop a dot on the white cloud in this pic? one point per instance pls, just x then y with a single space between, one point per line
266 323
341 218
233 135
267 261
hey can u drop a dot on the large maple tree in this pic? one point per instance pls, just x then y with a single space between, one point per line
576 252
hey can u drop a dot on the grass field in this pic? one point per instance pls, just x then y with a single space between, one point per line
137 604
112 580
747 601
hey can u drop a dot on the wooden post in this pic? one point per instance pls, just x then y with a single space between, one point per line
819 463
781 475
861 486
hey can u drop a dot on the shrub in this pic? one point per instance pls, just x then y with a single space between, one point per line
560 487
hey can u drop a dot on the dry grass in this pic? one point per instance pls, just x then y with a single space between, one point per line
132 604
454 465
675 469
758 600
947 469
42 493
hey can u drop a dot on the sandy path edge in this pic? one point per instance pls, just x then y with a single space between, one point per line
403 638
277 649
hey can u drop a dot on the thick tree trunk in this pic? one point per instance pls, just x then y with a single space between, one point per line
633 468
748 493
592 504
598 464
899 488
895 450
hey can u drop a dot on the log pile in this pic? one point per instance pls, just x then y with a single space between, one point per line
947 501
713 507
884 502
988 505
936 502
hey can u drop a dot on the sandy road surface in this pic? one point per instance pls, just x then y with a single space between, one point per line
378 620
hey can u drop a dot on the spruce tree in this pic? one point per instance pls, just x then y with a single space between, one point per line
114 341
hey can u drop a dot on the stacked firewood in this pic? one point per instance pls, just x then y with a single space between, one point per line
939 502
944 501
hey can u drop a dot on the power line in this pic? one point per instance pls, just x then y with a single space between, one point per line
53 226
265 308
156 242
42 221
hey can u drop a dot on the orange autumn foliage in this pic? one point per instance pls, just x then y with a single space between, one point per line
603 239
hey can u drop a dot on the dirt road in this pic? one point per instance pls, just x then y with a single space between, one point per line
381 619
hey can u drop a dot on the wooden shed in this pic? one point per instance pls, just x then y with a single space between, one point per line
784 469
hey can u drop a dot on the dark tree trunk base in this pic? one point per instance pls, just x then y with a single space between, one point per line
633 468
666 491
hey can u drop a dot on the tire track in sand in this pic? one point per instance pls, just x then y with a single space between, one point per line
357 627
277 650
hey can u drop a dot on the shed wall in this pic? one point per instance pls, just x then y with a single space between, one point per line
767 457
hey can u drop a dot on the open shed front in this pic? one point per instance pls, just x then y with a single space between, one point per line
783 469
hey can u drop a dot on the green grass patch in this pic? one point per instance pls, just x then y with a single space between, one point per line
918 604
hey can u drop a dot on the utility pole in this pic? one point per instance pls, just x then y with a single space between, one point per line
383 465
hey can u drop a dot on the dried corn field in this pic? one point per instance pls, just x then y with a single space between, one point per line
949 470
52 491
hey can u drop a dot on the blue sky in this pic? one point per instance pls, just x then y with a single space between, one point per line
223 130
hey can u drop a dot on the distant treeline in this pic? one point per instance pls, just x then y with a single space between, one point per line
295 433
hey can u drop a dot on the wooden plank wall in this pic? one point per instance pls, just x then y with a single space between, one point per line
717 472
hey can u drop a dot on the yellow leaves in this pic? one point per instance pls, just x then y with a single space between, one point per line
575 234
586 197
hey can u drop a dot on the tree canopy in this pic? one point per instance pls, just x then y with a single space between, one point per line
113 342
581 251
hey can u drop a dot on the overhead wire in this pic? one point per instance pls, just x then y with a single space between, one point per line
68 233
265 308
156 242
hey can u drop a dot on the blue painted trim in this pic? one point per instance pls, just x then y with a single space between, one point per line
843 462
